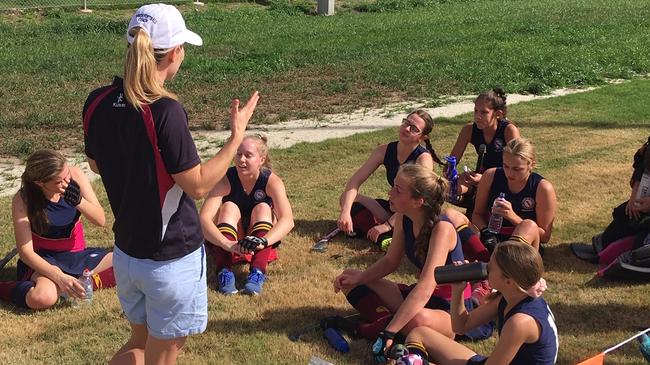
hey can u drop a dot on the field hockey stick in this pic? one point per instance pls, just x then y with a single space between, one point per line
321 245
295 336
479 160
10 255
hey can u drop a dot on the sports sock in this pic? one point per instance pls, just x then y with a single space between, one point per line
473 248
518 238
6 288
261 228
418 349
371 330
362 219
261 259
19 293
368 303
104 279
228 231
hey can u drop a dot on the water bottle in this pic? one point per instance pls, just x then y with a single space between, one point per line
452 176
473 271
644 346
337 341
86 281
318 361
496 220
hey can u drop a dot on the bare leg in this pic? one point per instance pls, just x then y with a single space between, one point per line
43 295
132 352
229 213
163 352
441 349
529 231
106 263
371 204
261 213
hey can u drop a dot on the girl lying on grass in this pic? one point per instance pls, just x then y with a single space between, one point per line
249 201
428 240
527 331
49 233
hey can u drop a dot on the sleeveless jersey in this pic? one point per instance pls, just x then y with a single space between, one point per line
443 290
65 231
246 202
392 164
544 351
494 150
523 203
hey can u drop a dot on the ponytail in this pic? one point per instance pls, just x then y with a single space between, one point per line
141 85
435 157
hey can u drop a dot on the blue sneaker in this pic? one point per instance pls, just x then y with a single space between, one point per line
254 282
226 280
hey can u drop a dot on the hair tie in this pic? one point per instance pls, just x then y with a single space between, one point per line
538 289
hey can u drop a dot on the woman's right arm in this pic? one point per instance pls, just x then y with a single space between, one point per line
352 187
24 244
481 205
462 320
208 215
462 141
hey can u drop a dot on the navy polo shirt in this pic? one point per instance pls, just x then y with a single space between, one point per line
136 153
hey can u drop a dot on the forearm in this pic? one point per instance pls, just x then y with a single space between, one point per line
281 228
414 302
36 263
347 199
458 312
94 213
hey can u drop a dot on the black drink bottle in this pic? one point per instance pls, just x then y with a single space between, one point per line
474 271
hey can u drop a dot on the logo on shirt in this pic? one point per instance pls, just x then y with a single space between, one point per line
528 204
498 144
259 194
119 102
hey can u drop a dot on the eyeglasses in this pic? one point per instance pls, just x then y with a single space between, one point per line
410 127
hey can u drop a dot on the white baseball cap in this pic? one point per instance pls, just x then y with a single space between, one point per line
165 26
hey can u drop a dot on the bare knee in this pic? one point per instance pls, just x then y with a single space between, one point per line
41 299
431 321
456 217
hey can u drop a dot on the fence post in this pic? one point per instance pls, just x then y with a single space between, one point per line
85 9
325 7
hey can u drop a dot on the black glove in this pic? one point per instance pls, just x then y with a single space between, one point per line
250 243
489 239
72 194
379 345
397 351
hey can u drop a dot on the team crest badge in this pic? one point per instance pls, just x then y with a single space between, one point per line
498 145
528 204
259 194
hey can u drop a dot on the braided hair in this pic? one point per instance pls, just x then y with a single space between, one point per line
426 184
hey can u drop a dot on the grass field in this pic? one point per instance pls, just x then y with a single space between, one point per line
585 143
306 65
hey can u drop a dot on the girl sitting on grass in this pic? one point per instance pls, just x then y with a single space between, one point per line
250 200
373 218
428 240
527 331
49 233
529 207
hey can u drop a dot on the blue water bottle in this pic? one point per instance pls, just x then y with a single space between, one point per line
452 176
337 341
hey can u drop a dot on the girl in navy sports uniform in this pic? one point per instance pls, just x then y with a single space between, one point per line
526 326
254 199
428 240
530 202
491 129
49 234
373 217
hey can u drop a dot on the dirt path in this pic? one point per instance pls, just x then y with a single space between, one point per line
286 134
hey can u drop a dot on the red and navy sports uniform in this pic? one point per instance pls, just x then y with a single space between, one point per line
246 202
136 152
494 150
523 203
63 244
542 352
392 164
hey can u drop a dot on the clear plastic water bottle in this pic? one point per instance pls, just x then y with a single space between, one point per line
496 220
452 176
86 281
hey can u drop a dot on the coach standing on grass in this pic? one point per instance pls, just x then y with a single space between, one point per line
137 138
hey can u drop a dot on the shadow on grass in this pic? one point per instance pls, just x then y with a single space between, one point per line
302 322
587 319
558 257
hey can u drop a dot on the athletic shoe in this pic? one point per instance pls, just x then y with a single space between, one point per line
480 291
226 280
254 282
411 359
597 242
383 245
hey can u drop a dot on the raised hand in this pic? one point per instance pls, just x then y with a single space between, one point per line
72 194
239 118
